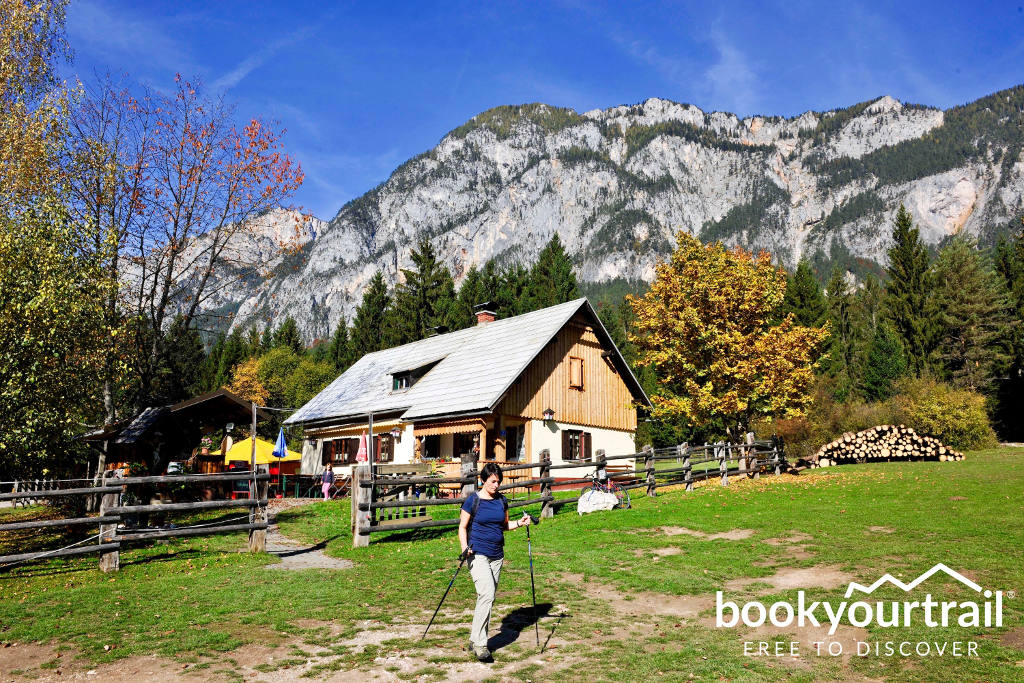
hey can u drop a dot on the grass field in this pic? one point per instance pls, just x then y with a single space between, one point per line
627 594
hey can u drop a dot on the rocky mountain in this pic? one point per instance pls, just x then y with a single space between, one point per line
617 183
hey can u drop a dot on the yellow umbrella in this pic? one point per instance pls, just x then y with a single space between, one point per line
242 450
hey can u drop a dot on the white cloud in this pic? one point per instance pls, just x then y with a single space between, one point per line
731 81
123 38
261 57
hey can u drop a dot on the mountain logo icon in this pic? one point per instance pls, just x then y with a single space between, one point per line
907 587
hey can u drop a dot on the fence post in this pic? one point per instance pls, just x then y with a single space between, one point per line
600 466
469 471
652 485
360 495
546 508
258 515
776 453
109 561
684 454
723 464
751 453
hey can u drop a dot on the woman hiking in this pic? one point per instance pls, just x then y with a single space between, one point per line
482 527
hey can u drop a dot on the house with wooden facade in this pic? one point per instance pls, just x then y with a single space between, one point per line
502 390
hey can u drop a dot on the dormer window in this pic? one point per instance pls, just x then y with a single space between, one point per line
403 379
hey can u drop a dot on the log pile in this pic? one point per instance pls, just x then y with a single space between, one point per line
884 442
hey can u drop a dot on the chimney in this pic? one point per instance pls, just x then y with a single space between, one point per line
485 313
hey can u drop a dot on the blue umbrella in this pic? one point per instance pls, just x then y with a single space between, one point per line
280 448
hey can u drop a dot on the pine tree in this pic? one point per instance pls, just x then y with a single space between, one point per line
254 342
233 353
339 352
552 280
287 335
804 298
470 294
447 304
180 375
907 292
869 305
867 311
367 333
842 343
1009 398
423 300
212 365
885 364
973 317
511 290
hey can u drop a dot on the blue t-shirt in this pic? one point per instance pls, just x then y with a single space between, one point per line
487 530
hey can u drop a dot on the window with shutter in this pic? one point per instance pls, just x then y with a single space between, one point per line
575 373
576 445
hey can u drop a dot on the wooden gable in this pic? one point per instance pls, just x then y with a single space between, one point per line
571 377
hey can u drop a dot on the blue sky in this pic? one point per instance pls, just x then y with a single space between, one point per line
361 87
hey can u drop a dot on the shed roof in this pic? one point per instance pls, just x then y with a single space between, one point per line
475 367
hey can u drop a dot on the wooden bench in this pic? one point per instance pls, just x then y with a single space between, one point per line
449 470
387 516
612 470
510 477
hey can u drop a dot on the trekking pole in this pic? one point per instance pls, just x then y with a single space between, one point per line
462 560
533 589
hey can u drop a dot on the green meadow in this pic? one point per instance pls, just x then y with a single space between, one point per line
622 595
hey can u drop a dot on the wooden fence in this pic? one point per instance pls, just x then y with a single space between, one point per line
377 497
41 485
115 522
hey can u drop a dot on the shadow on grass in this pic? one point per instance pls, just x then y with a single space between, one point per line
302 551
519 620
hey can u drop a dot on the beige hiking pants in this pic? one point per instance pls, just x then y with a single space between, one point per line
485 573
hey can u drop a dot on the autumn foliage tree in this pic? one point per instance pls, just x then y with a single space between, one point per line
706 327
207 183
180 190
49 285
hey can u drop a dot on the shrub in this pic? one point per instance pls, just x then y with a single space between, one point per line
957 417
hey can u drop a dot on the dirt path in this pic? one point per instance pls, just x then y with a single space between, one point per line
293 554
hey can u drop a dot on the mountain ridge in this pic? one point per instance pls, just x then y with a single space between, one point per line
616 183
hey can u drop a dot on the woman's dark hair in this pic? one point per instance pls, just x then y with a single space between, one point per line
489 469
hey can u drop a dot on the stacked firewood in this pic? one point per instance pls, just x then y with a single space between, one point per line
884 442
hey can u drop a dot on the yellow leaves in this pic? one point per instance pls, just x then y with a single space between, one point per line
707 325
246 382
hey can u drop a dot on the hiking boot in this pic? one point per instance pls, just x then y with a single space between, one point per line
482 654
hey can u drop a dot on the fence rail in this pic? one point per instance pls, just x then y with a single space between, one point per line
380 502
114 519
393 502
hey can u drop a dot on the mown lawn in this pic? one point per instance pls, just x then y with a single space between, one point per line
198 600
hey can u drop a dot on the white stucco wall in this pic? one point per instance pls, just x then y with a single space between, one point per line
312 456
549 435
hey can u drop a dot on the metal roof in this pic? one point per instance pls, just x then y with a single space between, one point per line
477 366
141 424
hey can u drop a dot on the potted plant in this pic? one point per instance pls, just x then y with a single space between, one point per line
205 444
